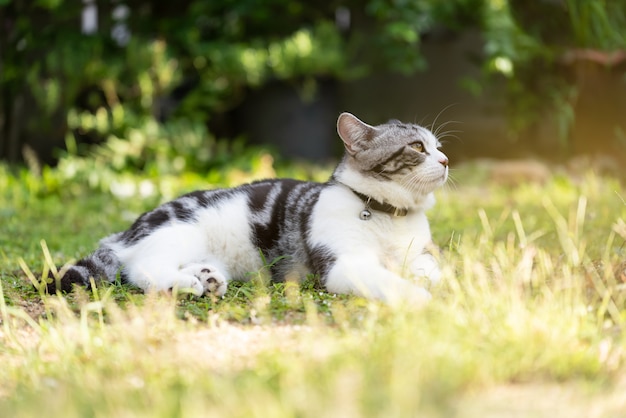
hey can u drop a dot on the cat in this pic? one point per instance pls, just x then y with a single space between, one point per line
363 232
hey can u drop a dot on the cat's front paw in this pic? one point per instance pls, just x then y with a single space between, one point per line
211 280
412 295
426 266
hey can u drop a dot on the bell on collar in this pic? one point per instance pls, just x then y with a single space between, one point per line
365 215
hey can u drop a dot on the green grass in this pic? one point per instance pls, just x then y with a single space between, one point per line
529 319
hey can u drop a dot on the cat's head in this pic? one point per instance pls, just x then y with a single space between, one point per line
395 152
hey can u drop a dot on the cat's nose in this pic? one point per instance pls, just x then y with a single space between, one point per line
444 161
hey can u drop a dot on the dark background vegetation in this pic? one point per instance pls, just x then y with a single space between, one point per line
154 85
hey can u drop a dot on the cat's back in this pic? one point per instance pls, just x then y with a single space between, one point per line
264 202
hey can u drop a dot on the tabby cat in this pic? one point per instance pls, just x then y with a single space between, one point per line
363 232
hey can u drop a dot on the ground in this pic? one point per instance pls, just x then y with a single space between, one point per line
527 322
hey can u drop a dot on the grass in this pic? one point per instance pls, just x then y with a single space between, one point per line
529 319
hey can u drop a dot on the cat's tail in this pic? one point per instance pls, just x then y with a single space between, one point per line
102 264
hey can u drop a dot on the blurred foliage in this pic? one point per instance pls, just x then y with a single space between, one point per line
534 45
406 22
186 61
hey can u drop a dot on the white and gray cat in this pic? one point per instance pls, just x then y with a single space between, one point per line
363 232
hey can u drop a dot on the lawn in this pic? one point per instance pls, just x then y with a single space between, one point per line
528 321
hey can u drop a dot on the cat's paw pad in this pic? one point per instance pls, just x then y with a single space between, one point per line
209 278
212 281
199 279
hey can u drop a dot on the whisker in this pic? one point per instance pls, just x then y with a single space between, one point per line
408 183
417 183
452 182
409 174
443 125
447 123
449 134
382 171
440 113
454 131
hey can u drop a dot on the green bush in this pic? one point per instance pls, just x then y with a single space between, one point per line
532 44
98 87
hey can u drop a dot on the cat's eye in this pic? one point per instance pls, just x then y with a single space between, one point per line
418 146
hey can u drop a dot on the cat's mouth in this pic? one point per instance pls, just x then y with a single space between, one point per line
438 177
440 181
444 176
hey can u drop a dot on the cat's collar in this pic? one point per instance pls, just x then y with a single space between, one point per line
371 203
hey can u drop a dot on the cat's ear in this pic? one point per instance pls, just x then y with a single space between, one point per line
352 131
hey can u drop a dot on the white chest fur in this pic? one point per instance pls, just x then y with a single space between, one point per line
392 240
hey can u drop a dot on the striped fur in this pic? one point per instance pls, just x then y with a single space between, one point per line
202 240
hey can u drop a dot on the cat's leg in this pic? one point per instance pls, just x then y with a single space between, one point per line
425 265
365 276
156 275
174 258
195 278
